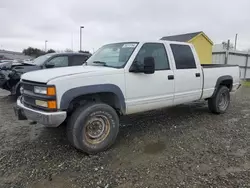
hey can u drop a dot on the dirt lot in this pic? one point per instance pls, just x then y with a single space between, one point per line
185 146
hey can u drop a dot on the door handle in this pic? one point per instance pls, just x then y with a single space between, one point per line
197 74
170 77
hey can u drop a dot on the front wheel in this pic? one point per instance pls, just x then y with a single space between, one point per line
220 102
93 128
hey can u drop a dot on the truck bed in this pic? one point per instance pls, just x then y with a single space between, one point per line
213 72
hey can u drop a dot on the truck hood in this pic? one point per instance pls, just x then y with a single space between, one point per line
46 75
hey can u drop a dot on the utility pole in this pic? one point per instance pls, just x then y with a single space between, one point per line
72 44
227 52
81 27
45 45
235 43
228 44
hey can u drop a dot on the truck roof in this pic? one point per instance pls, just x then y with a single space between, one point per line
153 41
70 53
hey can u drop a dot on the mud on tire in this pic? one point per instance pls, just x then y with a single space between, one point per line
93 128
220 102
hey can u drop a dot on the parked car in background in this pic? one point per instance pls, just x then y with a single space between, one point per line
10 75
122 79
5 63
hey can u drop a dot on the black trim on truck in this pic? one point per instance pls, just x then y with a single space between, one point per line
217 65
33 83
220 80
71 94
38 96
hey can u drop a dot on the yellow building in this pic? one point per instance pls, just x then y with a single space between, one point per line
201 42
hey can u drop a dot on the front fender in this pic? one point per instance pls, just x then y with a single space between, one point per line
71 94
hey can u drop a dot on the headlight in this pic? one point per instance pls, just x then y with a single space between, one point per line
41 103
46 104
40 90
51 91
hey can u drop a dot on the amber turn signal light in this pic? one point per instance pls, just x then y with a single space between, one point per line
51 91
52 104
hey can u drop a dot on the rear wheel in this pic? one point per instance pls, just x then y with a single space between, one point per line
220 102
93 128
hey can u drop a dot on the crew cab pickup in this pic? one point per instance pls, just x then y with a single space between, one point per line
10 75
122 79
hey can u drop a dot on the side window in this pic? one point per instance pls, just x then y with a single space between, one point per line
78 60
157 51
60 61
183 55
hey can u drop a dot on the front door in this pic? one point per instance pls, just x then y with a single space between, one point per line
150 91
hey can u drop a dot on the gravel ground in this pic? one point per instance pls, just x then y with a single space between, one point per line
184 146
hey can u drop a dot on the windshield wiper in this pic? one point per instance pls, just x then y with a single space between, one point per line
104 64
100 62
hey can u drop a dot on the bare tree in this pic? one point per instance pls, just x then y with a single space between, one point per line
231 46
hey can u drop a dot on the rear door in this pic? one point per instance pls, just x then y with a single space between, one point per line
187 75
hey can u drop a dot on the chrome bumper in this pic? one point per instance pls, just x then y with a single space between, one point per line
49 119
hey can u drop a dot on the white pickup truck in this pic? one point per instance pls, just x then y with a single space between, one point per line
122 79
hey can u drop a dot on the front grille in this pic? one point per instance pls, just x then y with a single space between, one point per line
29 97
29 100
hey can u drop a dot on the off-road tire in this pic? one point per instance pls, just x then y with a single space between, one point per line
214 103
78 123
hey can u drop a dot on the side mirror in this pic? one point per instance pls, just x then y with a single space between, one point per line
47 65
149 65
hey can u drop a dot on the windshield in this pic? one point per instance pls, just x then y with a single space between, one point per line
40 60
113 55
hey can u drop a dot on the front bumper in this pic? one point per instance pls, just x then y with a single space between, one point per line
49 119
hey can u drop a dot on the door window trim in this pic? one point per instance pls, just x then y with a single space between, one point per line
59 56
175 64
169 68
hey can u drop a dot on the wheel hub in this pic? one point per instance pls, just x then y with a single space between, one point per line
223 101
97 129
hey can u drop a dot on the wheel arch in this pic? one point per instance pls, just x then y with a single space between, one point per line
108 93
226 80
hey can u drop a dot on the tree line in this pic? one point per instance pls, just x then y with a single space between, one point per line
35 52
